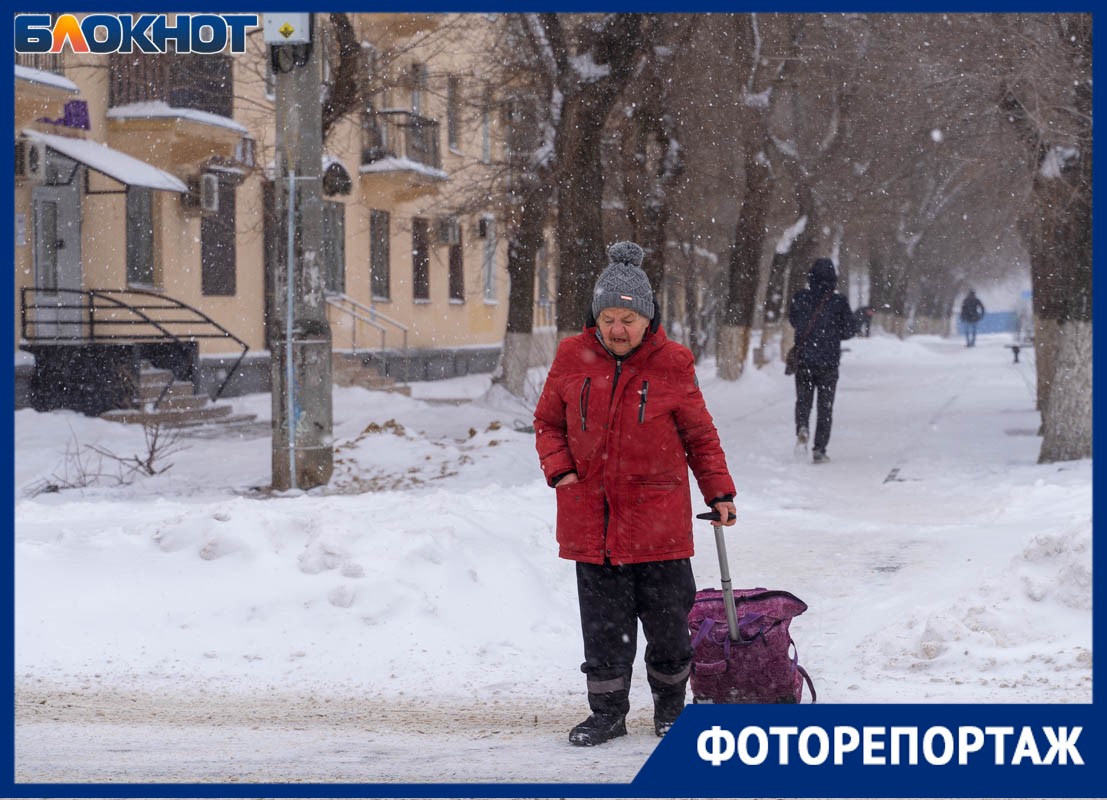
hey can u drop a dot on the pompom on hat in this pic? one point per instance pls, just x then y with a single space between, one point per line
623 283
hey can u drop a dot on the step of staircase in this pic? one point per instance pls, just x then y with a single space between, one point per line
180 406
148 392
181 402
168 416
348 369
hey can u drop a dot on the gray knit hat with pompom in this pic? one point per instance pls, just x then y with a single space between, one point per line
623 283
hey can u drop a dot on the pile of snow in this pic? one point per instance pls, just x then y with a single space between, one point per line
940 562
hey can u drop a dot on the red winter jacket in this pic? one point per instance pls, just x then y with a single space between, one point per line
630 428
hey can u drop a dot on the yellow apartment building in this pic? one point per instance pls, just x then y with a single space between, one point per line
144 189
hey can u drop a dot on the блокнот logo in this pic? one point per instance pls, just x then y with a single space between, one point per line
144 33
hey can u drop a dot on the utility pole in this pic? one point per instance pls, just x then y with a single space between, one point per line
303 451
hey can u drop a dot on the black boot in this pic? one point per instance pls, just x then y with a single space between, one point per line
667 706
597 729
607 720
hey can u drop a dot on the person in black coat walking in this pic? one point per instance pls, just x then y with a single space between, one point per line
864 317
972 311
822 319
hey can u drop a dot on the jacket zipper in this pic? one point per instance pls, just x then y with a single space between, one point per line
584 392
642 402
606 507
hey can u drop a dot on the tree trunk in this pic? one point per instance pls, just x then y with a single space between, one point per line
1066 268
774 308
745 266
579 158
514 362
1059 239
1057 230
1047 342
692 315
521 255
1067 429
580 241
731 345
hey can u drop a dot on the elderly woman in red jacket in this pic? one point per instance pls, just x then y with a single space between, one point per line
620 421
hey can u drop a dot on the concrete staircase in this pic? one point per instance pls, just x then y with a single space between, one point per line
351 369
180 407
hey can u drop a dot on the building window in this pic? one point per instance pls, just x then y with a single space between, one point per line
334 247
245 152
379 255
217 245
418 87
420 259
486 128
488 271
457 270
140 236
369 64
453 112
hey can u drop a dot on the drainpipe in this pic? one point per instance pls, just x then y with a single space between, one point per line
289 327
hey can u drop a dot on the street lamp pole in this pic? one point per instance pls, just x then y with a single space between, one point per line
303 450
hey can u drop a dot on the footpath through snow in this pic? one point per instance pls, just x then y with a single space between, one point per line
411 622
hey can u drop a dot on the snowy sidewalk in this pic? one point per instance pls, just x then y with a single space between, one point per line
412 622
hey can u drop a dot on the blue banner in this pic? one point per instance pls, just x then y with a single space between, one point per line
879 751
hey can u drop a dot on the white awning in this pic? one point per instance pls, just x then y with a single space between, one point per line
113 163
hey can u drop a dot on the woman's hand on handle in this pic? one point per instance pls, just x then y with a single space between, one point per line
727 513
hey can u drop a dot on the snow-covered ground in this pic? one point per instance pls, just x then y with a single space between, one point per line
412 622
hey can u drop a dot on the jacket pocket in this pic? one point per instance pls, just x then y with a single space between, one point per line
580 516
658 510
642 394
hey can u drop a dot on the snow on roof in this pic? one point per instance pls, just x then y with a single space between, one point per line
159 108
42 76
395 163
113 163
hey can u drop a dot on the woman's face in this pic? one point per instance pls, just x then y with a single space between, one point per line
621 329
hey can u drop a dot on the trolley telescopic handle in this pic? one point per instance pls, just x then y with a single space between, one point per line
728 593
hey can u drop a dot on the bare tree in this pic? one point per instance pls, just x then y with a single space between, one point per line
594 59
1048 96
746 256
648 161
530 97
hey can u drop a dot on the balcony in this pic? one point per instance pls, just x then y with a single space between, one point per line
400 150
43 62
182 103
185 81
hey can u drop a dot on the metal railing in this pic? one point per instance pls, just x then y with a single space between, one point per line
359 312
44 62
134 316
202 82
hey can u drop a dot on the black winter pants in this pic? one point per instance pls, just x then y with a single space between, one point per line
824 381
612 600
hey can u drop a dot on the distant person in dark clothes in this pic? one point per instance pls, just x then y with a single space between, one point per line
864 318
822 319
972 311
